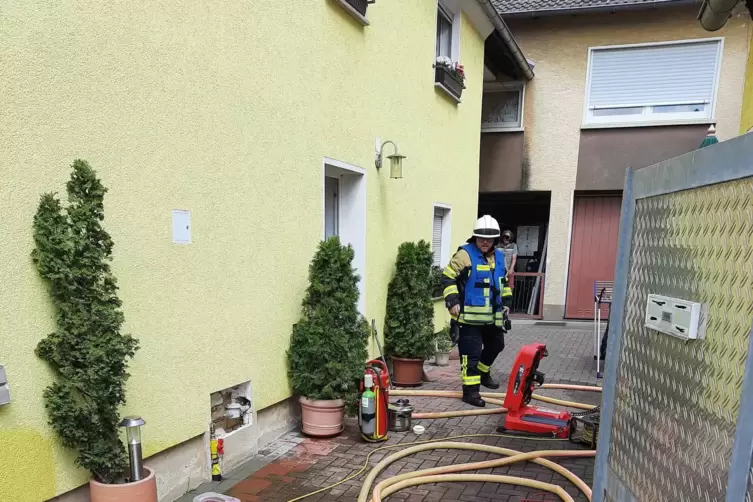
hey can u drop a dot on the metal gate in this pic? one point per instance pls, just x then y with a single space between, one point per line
677 415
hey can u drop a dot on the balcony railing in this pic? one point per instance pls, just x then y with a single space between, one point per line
527 295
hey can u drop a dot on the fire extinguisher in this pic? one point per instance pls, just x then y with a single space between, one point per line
372 409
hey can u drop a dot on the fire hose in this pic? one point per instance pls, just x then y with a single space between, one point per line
448 473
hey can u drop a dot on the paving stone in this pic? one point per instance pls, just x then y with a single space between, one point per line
294 465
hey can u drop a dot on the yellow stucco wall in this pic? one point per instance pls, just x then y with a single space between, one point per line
226 110
555 99
746 122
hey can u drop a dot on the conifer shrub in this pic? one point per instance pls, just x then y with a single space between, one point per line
87 352
409 322
328 344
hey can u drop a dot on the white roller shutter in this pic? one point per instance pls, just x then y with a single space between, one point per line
436 237
654 75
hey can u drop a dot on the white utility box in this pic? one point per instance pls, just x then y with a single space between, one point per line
4 390
673 316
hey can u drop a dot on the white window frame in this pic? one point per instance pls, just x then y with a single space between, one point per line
444 253
647 118
507 87
455 18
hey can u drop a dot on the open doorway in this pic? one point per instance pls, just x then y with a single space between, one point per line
526 215
344 193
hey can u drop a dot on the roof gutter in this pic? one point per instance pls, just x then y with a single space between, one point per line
507 37
714 13
602 9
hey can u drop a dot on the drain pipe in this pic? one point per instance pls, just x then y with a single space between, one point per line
506 35
715 13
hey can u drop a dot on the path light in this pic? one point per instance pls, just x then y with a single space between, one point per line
396 161
133 436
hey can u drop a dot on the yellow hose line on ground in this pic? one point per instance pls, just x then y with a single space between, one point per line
535 456
450 445
564 386
479 478
560 402
463 413
491 397
400 445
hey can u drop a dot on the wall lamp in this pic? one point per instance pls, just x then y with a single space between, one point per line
396 161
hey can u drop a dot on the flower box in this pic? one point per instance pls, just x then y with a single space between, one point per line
449 80
359 5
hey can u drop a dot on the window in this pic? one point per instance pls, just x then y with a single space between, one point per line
667 82
331 207
440 235
444 34
448 33
502 108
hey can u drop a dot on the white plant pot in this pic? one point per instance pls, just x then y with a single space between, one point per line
442 358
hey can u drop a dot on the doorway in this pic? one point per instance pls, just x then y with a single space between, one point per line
344 193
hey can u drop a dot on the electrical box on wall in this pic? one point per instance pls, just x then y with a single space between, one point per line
4 391
673 316
181 227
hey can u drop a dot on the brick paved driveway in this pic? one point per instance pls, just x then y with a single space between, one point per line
299 465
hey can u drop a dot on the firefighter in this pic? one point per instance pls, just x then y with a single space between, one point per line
477 295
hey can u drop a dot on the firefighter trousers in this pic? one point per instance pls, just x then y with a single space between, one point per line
478 347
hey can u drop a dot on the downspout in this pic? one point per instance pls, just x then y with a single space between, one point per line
714 13
507 37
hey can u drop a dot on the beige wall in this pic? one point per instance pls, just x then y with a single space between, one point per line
555 98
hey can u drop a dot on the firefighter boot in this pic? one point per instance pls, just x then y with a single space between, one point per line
488 382
472 397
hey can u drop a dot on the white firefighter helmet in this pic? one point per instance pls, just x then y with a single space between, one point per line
486 227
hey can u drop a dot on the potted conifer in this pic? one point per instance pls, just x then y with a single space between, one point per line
409 322
328 345
87 352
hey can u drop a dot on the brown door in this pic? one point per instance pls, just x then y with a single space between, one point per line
593 249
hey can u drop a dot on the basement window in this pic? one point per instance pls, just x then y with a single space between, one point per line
231 408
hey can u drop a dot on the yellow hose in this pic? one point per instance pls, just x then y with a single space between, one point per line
477 478
450 445
401 445
517 456
491 397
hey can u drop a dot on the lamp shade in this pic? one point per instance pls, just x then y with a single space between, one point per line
396 166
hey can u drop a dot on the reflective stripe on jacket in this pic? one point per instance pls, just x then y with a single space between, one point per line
478 285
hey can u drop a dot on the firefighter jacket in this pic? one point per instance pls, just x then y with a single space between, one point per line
478 284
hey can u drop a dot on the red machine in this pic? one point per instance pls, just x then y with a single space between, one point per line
529 420
374 402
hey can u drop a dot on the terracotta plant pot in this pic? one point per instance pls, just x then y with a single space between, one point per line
322 418
138 491
454 354
442 358
407 372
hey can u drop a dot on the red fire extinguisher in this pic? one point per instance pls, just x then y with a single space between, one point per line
375 398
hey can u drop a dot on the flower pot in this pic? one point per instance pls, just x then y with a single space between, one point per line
407 372
442 358
359 5
144 490
450 82
455 354
322 418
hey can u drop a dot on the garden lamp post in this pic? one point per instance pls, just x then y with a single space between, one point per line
133 437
